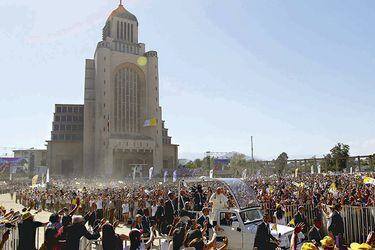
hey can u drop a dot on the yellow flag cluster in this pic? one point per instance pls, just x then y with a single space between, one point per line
332 189
301 184
291 222
274 227
34 180
368 180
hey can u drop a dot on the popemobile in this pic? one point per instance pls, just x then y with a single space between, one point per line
240 223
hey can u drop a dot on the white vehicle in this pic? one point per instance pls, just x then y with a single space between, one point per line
240 223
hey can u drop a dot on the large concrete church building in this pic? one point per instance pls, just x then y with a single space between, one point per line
119 128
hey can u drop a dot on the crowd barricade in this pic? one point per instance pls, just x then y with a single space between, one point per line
86 244
13 240
358 221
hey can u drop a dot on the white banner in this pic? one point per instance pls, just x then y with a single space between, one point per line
244 174
319 170
165 176
150 171
211 173
47 177
134 169
312 170
175 176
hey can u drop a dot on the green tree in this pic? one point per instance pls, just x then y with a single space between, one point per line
281 163
340 155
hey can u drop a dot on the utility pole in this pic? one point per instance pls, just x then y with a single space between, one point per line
252 149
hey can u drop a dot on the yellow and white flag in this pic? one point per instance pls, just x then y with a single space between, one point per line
296 173
368 180
332 189
301 184
34 180
150 122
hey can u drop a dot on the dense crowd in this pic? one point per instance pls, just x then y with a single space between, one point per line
183 215
345 189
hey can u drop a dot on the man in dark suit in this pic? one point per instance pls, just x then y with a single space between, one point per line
337 223
299 218
75 231
170 208
199 198
141 223
264 240
159 216
227 220
205 220
314 233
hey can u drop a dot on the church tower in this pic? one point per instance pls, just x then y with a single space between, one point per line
123 127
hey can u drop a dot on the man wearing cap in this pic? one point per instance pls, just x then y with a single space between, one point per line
309 246
327 243
219 201
314 233
27 229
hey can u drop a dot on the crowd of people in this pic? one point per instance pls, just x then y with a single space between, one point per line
345 189
93 210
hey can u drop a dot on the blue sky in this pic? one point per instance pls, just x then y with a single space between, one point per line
297 75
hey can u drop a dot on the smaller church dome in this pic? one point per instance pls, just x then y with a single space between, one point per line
121 12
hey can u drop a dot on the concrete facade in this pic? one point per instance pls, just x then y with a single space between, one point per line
121 95
65 149
40 155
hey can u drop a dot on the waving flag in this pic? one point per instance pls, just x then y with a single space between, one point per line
175 176
332 189
368 180
47 176
134 169
150 122
34 180
165 176
244 174
296 173
150 171
211 173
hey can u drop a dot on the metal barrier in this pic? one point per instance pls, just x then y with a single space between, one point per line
358 221
13 241
97 244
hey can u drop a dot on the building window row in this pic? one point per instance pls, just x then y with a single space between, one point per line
67 137
67 127
68 118
69 109
126 48
125 31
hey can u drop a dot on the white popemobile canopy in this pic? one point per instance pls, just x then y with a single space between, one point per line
242 193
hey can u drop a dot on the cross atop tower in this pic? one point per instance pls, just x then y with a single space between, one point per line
120 2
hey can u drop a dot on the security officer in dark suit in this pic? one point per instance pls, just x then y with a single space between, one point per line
170 208
199 198
264 240
299 218
204 219
337 223
314 233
